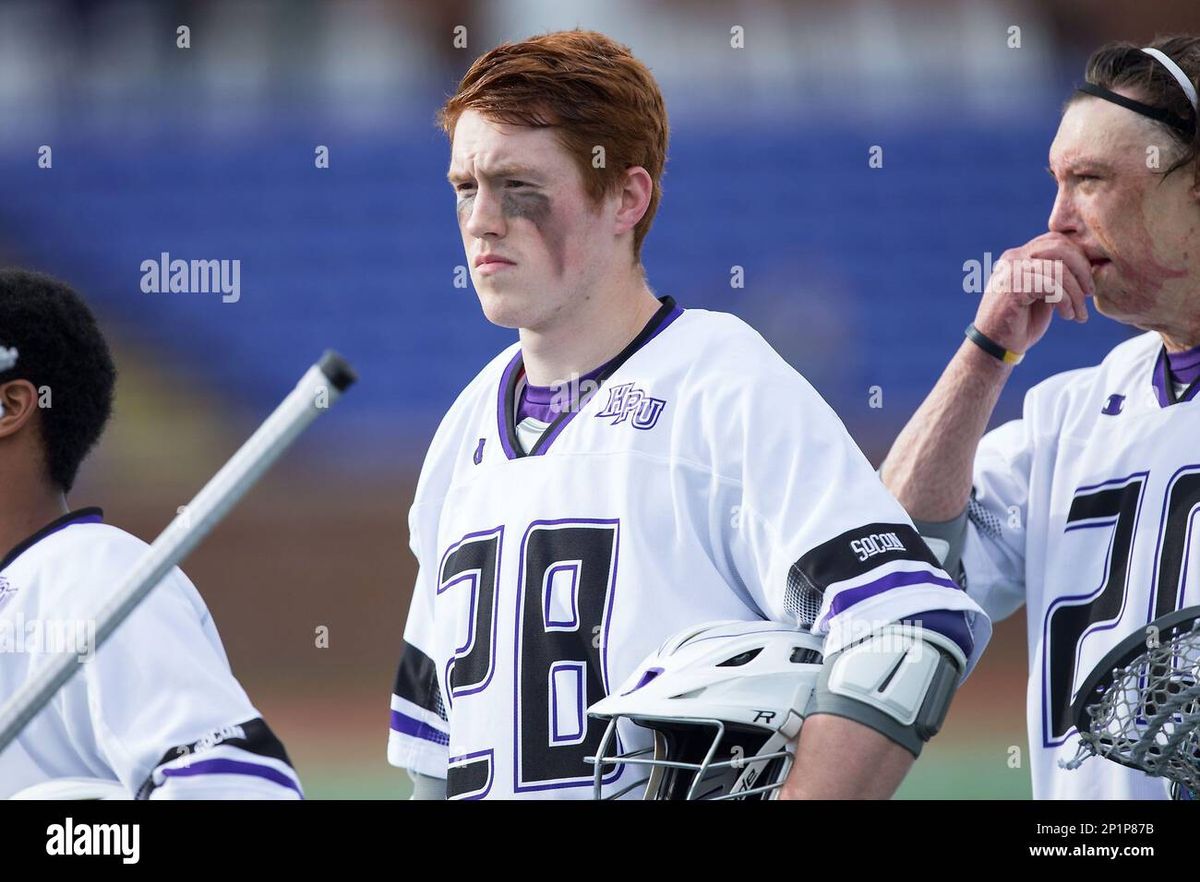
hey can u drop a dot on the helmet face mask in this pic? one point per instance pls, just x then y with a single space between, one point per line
699 759
723 704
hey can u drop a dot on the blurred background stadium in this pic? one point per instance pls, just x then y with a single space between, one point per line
854 273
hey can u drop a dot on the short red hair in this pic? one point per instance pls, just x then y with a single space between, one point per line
591 90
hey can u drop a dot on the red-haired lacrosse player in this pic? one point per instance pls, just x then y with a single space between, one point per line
630 468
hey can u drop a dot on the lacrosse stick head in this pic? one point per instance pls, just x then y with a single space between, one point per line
1140 706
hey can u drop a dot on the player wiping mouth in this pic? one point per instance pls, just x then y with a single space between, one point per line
1083 509
1122 214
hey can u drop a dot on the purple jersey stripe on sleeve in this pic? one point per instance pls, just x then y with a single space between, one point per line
948 623
232 767
851 596
413 727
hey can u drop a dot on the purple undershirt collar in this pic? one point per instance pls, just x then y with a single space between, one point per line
510 393
545 403
1185 366
1177 367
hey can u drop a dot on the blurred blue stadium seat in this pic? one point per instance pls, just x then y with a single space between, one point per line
362 256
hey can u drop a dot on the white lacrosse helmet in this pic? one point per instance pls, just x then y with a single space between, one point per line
725 701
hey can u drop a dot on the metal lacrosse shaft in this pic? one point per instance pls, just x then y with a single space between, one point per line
317 390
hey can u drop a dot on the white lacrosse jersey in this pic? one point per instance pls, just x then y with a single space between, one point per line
156 708
703 480
1083 511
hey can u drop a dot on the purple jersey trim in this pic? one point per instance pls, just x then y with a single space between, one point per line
506 396
1185 366
82 516
851 596
948 623
1162 382
555 430
415 728
1165 375
458 763
544 403
233 767
507 379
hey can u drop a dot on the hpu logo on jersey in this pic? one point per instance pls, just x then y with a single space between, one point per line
876 543
1114 404
626 401
479 451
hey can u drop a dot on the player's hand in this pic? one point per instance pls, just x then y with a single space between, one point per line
1028 285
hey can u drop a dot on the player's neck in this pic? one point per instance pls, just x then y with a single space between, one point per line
589 336
1181 340
26 506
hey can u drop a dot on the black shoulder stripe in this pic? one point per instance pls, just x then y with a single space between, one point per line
253 736
416 681
856 552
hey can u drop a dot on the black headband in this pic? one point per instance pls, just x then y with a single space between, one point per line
1157 114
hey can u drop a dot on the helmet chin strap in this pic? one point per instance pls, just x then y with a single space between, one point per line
656 772
776 744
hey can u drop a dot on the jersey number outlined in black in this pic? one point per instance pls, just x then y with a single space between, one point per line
565 590
1116 503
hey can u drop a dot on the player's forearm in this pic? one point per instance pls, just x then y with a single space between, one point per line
929 467
837 758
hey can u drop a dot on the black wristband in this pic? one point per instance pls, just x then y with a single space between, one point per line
991 347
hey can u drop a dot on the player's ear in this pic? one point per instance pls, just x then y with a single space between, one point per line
18 404
636 189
